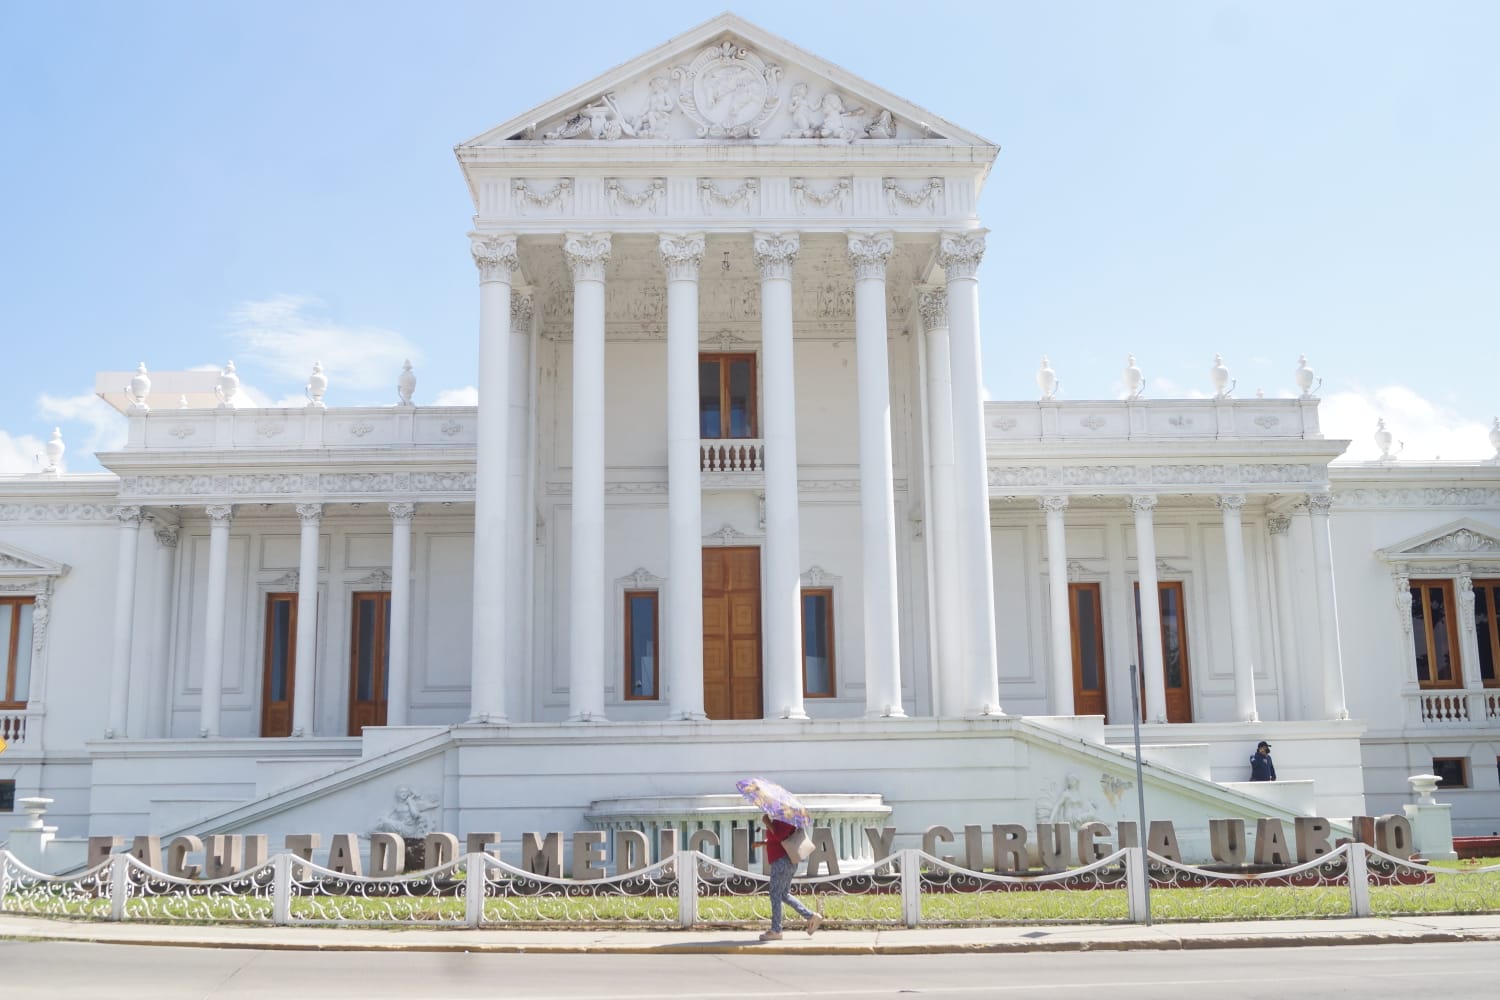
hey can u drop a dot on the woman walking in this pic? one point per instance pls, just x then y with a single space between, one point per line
782 868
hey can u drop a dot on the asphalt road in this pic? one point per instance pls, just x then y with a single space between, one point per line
71 971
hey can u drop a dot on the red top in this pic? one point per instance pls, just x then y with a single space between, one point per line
775 834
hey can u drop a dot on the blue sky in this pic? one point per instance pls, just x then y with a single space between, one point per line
274 182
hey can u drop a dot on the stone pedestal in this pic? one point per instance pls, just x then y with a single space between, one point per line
28 842
1431 821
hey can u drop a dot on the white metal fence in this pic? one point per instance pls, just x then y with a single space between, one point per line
907 889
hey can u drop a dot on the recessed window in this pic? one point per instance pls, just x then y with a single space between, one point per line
279 669
1487 628
7 795
1453 770
726 396
1434 629
15 650
817 643
642 662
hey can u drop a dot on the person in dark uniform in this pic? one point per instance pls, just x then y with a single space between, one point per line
1262 768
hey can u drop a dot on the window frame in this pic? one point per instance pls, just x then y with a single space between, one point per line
12 606
627 694
826 593
1419 590
379 656
7 795
723 358
1465 777
273 598
1490 639
1076 587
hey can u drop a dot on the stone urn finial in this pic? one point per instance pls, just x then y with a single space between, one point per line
227 385
1424 785
54 449
138 389
1046 380
406 384
1135 382
35 808
1384 439
1223 385
317 385
1307 381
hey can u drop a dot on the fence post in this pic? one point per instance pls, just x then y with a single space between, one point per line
687 889
281 889
911 886
1137 886
119 885
5 859
1358 870
474 889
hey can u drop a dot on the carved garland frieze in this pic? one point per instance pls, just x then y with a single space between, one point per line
928 195
273 484
837 195
1124 476
56 512
746 196
1430 497
559 196
652 198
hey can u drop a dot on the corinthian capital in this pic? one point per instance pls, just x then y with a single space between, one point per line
495 256
682 255
1278 524
220 513
1320 503
774 254
1144 503
310 513
959 254
128 514
1052 504
587 254
1230 501
869 253
932 303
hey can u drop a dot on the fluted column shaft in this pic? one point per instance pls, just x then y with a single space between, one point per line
683 257
1239 608
495 256
1279 526
1060 610
123 638
587 256
782 621
398 670
305 675
156 696
868 255
1319 506
959 255
1153 669
210 706
941 529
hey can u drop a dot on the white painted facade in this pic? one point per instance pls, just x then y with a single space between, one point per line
644 219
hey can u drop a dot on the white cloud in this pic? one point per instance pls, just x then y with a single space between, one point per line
105 428
467 396
18 454
286 334
1423 430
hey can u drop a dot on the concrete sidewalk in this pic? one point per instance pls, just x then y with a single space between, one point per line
942 940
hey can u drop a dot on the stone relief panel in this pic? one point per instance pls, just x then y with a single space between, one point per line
728 91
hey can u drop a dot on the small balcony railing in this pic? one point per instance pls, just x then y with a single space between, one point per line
13 725
732 455
1455 708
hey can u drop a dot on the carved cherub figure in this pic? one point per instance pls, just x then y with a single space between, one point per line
801 110
655 122
409 814
835 124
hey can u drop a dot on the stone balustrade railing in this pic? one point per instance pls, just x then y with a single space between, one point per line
732 455
1454 708
845 816
13 725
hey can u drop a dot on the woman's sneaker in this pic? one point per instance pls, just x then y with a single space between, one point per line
813 923
771 936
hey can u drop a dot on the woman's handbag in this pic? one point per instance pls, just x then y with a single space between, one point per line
798 845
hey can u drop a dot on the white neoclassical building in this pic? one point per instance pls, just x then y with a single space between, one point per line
732 502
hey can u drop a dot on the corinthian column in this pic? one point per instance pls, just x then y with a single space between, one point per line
1239 608
1279 526
156 699
398 684
219 518
124 624
960 254
774 254
1061 612
587 257
868 255
495 256
305 676
1319 505
942 532
1153 668
683 256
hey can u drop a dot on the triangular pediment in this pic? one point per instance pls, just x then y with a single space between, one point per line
726 81
1464 539
19 564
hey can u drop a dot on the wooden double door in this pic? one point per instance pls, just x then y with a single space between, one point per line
731 633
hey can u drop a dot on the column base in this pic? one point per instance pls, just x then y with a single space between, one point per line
889 712
485 719
986 712
587 717
688 717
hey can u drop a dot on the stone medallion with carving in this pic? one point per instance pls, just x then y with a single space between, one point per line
729 92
